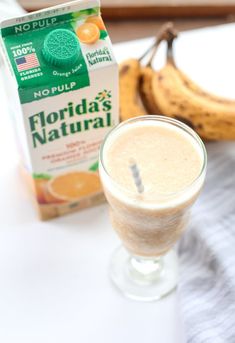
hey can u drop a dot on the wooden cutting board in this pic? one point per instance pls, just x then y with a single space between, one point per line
122 9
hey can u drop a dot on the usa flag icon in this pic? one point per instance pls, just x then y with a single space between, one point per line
27 62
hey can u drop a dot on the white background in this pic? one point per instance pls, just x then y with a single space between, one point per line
54 285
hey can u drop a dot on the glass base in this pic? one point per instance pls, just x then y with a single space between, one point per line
144 279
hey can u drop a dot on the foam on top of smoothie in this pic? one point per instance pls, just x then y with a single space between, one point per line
168 158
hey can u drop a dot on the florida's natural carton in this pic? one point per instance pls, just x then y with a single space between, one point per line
62 84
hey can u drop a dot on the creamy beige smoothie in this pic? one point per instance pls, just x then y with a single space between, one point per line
170 159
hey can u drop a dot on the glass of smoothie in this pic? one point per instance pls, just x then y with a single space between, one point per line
152 169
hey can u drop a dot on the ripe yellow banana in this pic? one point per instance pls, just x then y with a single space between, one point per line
129 76
212 119
146 90
170 92
197 89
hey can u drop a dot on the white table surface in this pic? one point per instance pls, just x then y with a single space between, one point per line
54 285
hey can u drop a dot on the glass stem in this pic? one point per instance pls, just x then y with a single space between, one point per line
145 270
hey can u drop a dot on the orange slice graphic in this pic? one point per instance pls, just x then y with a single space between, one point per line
88 33
74 185
97 21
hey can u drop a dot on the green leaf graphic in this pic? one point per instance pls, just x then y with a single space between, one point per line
94 167
42 176
103 34
85 13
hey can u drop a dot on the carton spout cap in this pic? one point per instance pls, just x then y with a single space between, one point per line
61 48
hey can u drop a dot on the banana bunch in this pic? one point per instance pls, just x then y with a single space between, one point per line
172 93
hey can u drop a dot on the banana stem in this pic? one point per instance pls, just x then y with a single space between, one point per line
163 34
147 51
170 54
149 64
167 33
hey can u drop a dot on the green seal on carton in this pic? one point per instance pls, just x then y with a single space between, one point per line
61 48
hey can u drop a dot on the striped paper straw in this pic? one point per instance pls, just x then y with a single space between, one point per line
136 176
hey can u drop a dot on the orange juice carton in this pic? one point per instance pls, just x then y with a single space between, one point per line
62 84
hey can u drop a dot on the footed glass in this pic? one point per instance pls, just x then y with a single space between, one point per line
145 267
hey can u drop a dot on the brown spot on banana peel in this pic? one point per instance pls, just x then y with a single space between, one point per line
229 123
182 107
199 126
124 69
178 105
